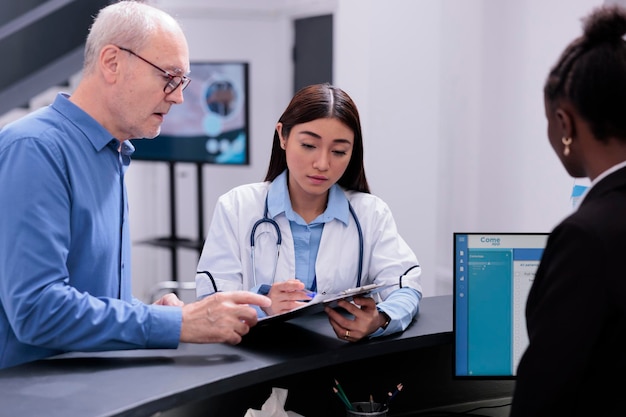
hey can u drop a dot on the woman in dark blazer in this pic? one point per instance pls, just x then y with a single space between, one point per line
575 363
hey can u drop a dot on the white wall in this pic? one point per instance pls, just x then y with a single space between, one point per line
451 97
450 94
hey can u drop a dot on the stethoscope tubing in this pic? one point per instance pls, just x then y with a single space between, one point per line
279 239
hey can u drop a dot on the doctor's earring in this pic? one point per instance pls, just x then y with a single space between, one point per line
567 142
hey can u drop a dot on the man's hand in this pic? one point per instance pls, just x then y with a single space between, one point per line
170 299
223 317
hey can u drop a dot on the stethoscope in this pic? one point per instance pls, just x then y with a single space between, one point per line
279 239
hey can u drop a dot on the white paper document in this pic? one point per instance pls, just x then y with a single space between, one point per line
320 301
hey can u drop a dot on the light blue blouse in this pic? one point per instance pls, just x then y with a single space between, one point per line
306 237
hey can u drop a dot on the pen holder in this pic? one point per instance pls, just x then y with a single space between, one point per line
368 409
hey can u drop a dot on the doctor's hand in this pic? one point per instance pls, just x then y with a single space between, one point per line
223 317
286 296
367 319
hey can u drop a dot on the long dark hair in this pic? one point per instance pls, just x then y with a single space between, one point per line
591 73
320 101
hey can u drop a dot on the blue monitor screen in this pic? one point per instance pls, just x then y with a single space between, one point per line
493 273
211 125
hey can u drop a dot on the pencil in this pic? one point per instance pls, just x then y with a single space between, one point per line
343 395
343 399
393 395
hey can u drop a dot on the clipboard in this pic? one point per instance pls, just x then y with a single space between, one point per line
317 303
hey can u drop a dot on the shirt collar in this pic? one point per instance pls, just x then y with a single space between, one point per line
278 202
93 131
600 177
607 172
127 148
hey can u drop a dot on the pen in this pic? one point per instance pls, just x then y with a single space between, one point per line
308 293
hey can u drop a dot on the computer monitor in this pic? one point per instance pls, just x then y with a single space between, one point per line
493 273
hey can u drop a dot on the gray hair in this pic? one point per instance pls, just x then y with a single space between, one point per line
127 23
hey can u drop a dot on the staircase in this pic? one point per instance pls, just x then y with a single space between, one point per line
42 42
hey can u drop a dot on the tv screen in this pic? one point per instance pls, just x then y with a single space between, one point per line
493 273
211 125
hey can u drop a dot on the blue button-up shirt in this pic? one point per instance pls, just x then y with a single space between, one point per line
65 244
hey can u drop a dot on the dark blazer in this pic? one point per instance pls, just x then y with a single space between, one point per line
575 363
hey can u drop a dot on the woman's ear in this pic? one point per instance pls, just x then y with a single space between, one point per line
279 130
566 122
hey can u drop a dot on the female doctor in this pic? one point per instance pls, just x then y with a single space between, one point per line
313 225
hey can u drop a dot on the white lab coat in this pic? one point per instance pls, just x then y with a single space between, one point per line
227 250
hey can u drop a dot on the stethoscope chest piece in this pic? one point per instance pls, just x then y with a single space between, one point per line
266 219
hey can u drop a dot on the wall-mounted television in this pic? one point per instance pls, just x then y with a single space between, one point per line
211 125
493 273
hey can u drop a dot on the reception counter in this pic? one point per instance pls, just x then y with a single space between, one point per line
291 354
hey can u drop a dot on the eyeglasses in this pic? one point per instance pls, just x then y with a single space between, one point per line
174 81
